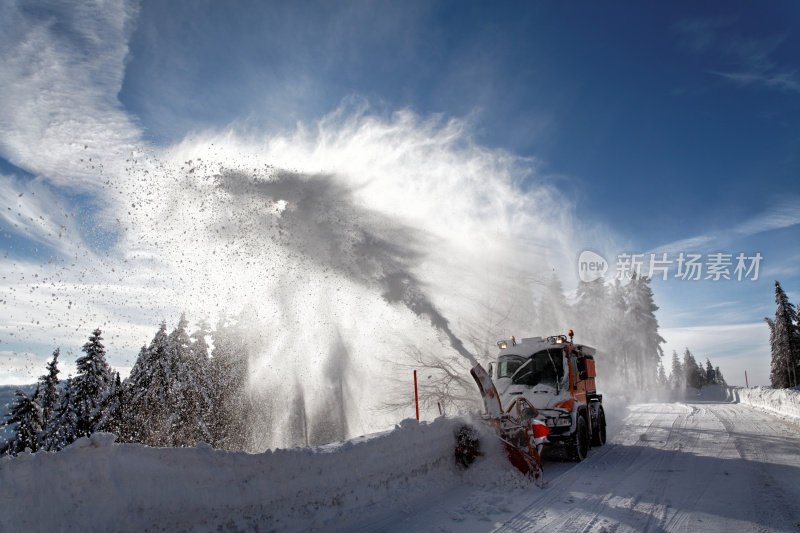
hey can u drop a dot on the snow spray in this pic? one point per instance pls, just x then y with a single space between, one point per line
363 247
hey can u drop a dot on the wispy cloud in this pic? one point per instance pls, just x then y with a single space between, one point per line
767 76
783 214
754 64
744 61
690 244
62 68
31 210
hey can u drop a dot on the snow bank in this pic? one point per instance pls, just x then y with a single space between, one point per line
98 485
785 402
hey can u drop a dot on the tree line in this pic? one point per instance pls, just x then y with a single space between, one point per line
617 318
689 373
178 393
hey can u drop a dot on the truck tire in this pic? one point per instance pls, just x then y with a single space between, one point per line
578 448
599 434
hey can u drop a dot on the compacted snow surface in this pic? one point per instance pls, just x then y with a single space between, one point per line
709 463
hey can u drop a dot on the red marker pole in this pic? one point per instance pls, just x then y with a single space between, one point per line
416 397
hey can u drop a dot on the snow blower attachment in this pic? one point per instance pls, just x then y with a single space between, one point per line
514 428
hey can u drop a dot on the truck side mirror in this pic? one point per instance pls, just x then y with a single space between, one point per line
491 369
583 374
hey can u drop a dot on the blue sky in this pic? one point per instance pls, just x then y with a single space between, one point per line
655 127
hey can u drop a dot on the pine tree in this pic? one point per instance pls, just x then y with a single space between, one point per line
711 374
662 375
643 330
677 377
777 371
26 413
229 363
619 354
49 386
695 377
92 382
188 398
720 378
591 309
112 411
197 376
149 392
784 342
134 392
62 427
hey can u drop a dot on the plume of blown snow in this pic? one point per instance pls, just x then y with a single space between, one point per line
358 240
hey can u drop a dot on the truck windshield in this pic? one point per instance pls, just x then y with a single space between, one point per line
508 364
545 367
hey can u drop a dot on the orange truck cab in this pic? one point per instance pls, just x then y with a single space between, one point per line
557 377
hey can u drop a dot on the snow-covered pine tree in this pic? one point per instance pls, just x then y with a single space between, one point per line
720 378
677 377
590 310
642 330
188 398
49 387
112 410
711 374
228 377
619 353
695 376
62 427
26 413
178 395
197 375
662 374
134 391
777 371
784 342
149 392
92 382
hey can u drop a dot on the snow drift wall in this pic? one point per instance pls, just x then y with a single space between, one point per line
784 402
97 485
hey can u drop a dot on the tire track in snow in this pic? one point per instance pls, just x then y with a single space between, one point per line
673 467
771 507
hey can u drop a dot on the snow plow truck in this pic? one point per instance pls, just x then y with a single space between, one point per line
539 391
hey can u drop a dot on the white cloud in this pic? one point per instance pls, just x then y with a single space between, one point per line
783 214
61 71
29 209
20 368
691 244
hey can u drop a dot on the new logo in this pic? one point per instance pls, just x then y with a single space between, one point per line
591 266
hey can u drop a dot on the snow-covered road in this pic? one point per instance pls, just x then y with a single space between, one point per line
679 467
685 466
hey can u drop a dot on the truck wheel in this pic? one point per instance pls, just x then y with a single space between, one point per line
599 435
579 447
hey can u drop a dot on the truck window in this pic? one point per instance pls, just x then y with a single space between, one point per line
545 367
508 364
